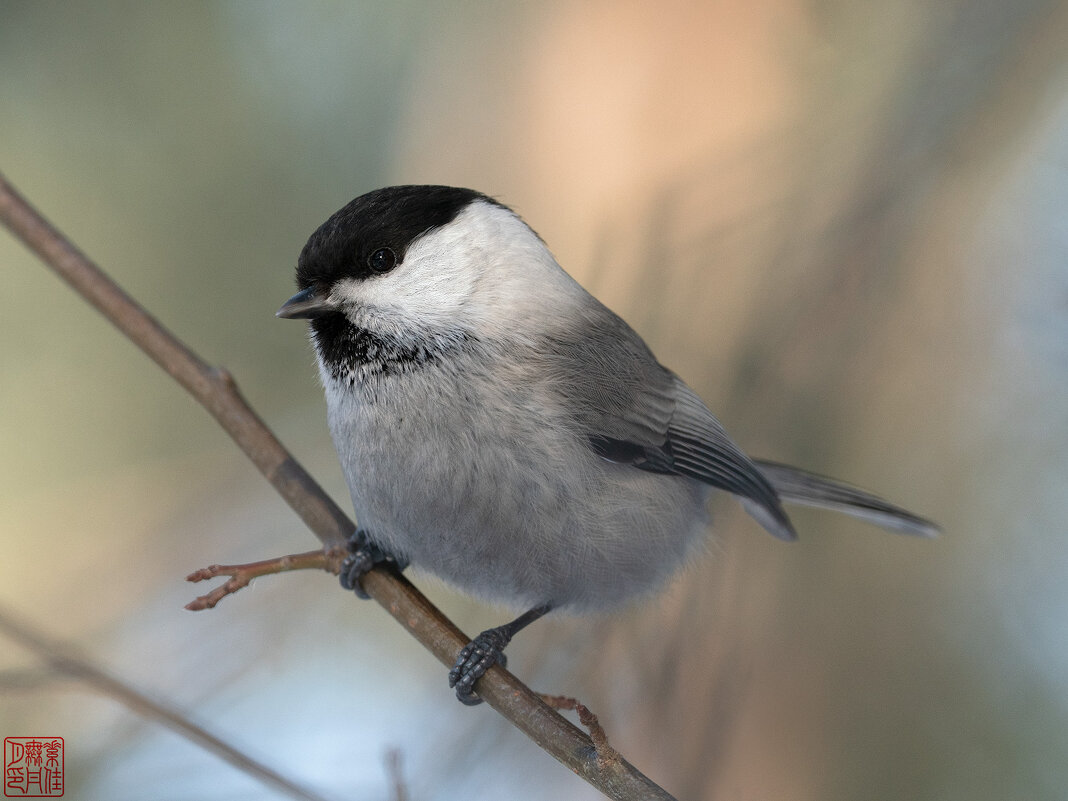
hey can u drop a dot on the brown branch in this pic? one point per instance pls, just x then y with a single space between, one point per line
241 575
215 389
64 660
606 754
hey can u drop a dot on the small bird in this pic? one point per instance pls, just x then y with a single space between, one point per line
503 430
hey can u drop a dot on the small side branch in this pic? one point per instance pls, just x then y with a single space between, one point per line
606 754
327 559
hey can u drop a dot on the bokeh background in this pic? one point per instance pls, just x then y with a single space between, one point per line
843 222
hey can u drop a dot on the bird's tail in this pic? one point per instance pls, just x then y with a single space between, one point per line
808 489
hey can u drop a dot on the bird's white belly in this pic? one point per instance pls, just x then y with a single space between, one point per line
515 508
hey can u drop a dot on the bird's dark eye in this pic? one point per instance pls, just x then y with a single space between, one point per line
382 260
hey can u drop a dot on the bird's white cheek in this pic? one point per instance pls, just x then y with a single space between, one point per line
425 294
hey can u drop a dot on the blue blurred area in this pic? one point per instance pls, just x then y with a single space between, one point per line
842 223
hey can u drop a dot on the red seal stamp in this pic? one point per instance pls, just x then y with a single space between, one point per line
33 767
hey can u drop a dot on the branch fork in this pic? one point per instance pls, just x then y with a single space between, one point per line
241 576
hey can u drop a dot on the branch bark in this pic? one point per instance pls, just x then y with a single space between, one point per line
216 390
242 575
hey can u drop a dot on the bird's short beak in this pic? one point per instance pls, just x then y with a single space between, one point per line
306 304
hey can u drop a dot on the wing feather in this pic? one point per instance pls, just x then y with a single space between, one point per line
808 489
633 410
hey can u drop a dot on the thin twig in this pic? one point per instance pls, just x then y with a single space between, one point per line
395 773
29 679
64 660
216 390
241 575
606 754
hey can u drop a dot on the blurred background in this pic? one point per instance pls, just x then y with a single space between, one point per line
843 223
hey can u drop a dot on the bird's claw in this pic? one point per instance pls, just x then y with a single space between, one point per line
474 659
363 556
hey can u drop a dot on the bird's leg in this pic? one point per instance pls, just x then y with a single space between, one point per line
485 651
364 554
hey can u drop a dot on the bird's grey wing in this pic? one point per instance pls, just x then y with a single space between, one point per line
700 447
635 411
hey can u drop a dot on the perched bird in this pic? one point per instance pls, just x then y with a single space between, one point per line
502 429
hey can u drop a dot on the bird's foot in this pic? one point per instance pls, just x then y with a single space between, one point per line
363 556
485 651
474 659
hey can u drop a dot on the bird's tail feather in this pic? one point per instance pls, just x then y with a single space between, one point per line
808 489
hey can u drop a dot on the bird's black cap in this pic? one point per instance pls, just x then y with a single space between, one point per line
392 218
